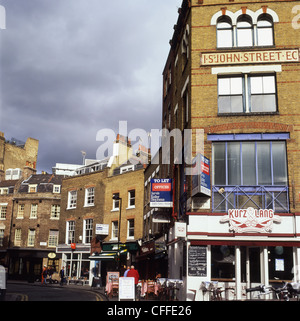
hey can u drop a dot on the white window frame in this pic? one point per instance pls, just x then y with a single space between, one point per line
89 199
130 199
3 211
88 226
114 230
130 229
55 212
70 232
72 199
18 237
56 189
20 211
32 188
31 238
114 207
53 238
33 211
2 236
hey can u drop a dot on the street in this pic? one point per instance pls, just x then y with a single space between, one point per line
22 291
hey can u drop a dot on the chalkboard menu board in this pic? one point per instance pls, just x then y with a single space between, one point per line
197 261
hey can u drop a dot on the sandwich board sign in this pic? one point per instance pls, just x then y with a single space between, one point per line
126 289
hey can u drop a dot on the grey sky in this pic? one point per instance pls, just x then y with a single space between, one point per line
70 68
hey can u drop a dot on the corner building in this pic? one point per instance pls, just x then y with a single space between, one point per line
233 72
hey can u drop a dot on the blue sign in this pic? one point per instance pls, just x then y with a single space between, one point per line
161 192
201 176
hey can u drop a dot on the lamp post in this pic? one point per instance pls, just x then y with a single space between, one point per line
117 198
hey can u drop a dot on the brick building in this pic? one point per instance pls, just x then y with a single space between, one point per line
91 219
233 73
34 229
17 154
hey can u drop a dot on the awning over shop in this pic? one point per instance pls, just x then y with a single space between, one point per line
107 255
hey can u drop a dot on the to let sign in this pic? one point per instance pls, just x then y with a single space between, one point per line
248 57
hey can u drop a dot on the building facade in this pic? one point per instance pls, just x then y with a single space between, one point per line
34 229
233 75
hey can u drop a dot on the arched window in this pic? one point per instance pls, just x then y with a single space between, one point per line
244 31
265 34
224 33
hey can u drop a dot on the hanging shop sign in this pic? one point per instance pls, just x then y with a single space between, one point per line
248 57
161 192
201 176
251 220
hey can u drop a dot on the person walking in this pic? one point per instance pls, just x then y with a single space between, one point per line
44 275
133 273
62 275
126 272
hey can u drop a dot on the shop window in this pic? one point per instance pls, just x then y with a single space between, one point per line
265 33
247 94
224 33
222 262
280 263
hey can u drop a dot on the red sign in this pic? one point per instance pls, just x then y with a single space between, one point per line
164 187
73 246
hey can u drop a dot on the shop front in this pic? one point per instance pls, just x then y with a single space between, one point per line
239 250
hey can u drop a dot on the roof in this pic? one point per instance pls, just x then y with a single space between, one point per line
44 182
8 183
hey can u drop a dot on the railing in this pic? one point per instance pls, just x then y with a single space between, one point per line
260 197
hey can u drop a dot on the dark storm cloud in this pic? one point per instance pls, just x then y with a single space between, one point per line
70 68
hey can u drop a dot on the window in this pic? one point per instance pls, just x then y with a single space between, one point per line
18 237
265 36
33 211
230 92
247 94
20 213
53 238
31 238
130 229
3 211
56 188
3 191
116 202
263 93
32 188
88 230
131 198
55 212
72 199
70 232
1 237
250 173
224 33
244 31
89 196
115 230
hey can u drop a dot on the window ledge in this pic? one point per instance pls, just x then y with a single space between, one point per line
247 114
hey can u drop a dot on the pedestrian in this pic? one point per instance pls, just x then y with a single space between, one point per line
133 273
62 275
126 272
44 275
